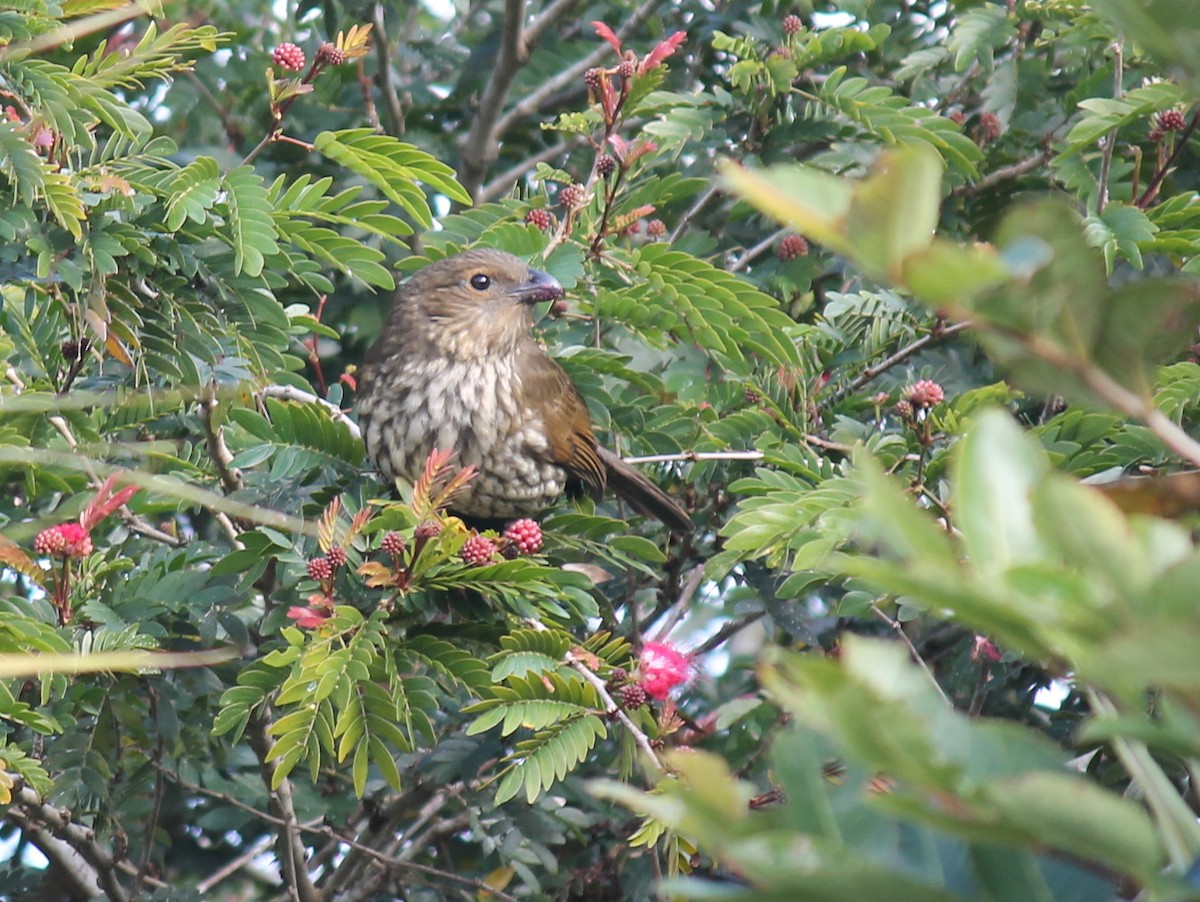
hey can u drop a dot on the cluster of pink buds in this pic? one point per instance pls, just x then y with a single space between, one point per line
67 542
609 87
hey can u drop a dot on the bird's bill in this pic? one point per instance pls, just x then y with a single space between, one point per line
537 288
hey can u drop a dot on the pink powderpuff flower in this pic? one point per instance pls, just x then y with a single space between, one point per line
661 667
65 539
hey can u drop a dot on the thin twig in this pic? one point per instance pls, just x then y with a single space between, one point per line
686 219
870 373
232 130
232 867
898 629
690 585
156 798
694 456
729 629
1110 140
1004 173
291 393
222 458
503 183
82 839
387 87
1151 191
547 17
757 251
611 708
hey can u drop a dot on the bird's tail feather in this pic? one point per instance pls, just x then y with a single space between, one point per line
647 498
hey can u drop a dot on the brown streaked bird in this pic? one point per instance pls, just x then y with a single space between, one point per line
455 368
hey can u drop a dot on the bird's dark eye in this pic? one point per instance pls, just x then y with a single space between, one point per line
480 282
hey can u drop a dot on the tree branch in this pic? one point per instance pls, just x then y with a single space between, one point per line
1002 174
35 813
547 17
729 629
757 251
611 708
288 845
1156 181
72 867
291 393
222 458
685 220
482 144
872 372
502 183
898 629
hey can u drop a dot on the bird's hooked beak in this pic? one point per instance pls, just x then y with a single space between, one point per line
537 288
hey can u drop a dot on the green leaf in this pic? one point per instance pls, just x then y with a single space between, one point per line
996 471
878 222
251 230
192 192
394 167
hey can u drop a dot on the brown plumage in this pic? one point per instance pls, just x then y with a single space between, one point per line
456 369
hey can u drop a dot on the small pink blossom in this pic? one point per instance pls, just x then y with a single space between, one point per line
661 667
925 393
65 539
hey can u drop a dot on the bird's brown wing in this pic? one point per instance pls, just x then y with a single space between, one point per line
568 425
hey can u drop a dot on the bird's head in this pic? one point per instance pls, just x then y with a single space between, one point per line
475 304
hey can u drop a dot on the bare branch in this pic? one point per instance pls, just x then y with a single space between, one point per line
690 585
222 458
898 628
78 837
729 629
503 183
1156 180
694 455
547 17
685 220
482 142
569 76
387 87
291 393
232 867
288 845
872 372
611 708
1110 140
757 251
72 867
1004 173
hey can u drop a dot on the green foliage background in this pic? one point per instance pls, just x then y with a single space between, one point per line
933 660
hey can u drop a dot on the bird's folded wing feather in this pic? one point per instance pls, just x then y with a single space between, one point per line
568 424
